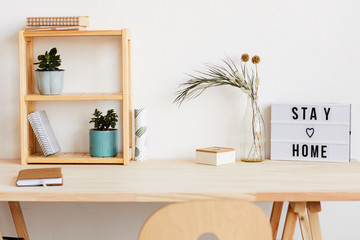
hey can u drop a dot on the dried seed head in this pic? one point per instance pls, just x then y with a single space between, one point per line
245 57
240 76
247 91
255 59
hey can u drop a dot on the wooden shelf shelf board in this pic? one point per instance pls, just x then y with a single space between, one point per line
75 97
73 33
73 157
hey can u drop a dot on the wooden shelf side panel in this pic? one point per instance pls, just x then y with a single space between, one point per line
30 89
126 98
131 128
24 126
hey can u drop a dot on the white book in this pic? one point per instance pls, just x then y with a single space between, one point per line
39 182
44 132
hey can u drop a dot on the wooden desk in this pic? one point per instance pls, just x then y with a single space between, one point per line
302 184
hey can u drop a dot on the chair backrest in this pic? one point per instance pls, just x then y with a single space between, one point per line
1 236
227 219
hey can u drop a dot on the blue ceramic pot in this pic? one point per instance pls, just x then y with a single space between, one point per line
104 143
50 82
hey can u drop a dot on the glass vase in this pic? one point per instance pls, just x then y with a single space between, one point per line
252 133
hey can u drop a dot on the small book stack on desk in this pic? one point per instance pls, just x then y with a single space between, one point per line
74 23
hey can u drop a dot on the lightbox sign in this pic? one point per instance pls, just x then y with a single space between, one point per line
311 132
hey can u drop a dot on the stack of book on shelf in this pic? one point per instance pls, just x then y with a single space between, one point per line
74 23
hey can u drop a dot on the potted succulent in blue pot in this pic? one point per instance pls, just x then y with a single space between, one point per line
104 136
49 78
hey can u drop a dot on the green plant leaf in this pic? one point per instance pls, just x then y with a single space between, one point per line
53 51
102 122
49 61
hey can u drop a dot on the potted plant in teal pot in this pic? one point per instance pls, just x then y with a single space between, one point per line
49 78
104 136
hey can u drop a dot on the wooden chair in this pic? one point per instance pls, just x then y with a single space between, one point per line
227 219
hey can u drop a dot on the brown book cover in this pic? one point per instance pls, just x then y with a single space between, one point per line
215 149
40 177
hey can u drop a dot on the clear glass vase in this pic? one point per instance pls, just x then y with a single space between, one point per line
252 133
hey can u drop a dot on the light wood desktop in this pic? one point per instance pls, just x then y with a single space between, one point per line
303 184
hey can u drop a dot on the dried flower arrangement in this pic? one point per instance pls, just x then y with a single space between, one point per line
217 75
252 146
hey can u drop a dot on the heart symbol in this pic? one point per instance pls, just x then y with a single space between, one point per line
310 132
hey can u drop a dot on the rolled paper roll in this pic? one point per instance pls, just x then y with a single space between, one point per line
141 149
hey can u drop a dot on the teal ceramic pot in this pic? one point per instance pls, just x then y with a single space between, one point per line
104 143
50 82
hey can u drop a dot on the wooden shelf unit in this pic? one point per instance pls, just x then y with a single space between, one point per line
28 99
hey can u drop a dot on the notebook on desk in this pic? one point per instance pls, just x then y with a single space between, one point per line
39 177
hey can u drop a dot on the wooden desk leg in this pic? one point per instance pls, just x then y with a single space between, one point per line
300 209
275 218
312 209
18 219
290 223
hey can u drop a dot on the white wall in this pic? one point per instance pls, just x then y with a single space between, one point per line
309 51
